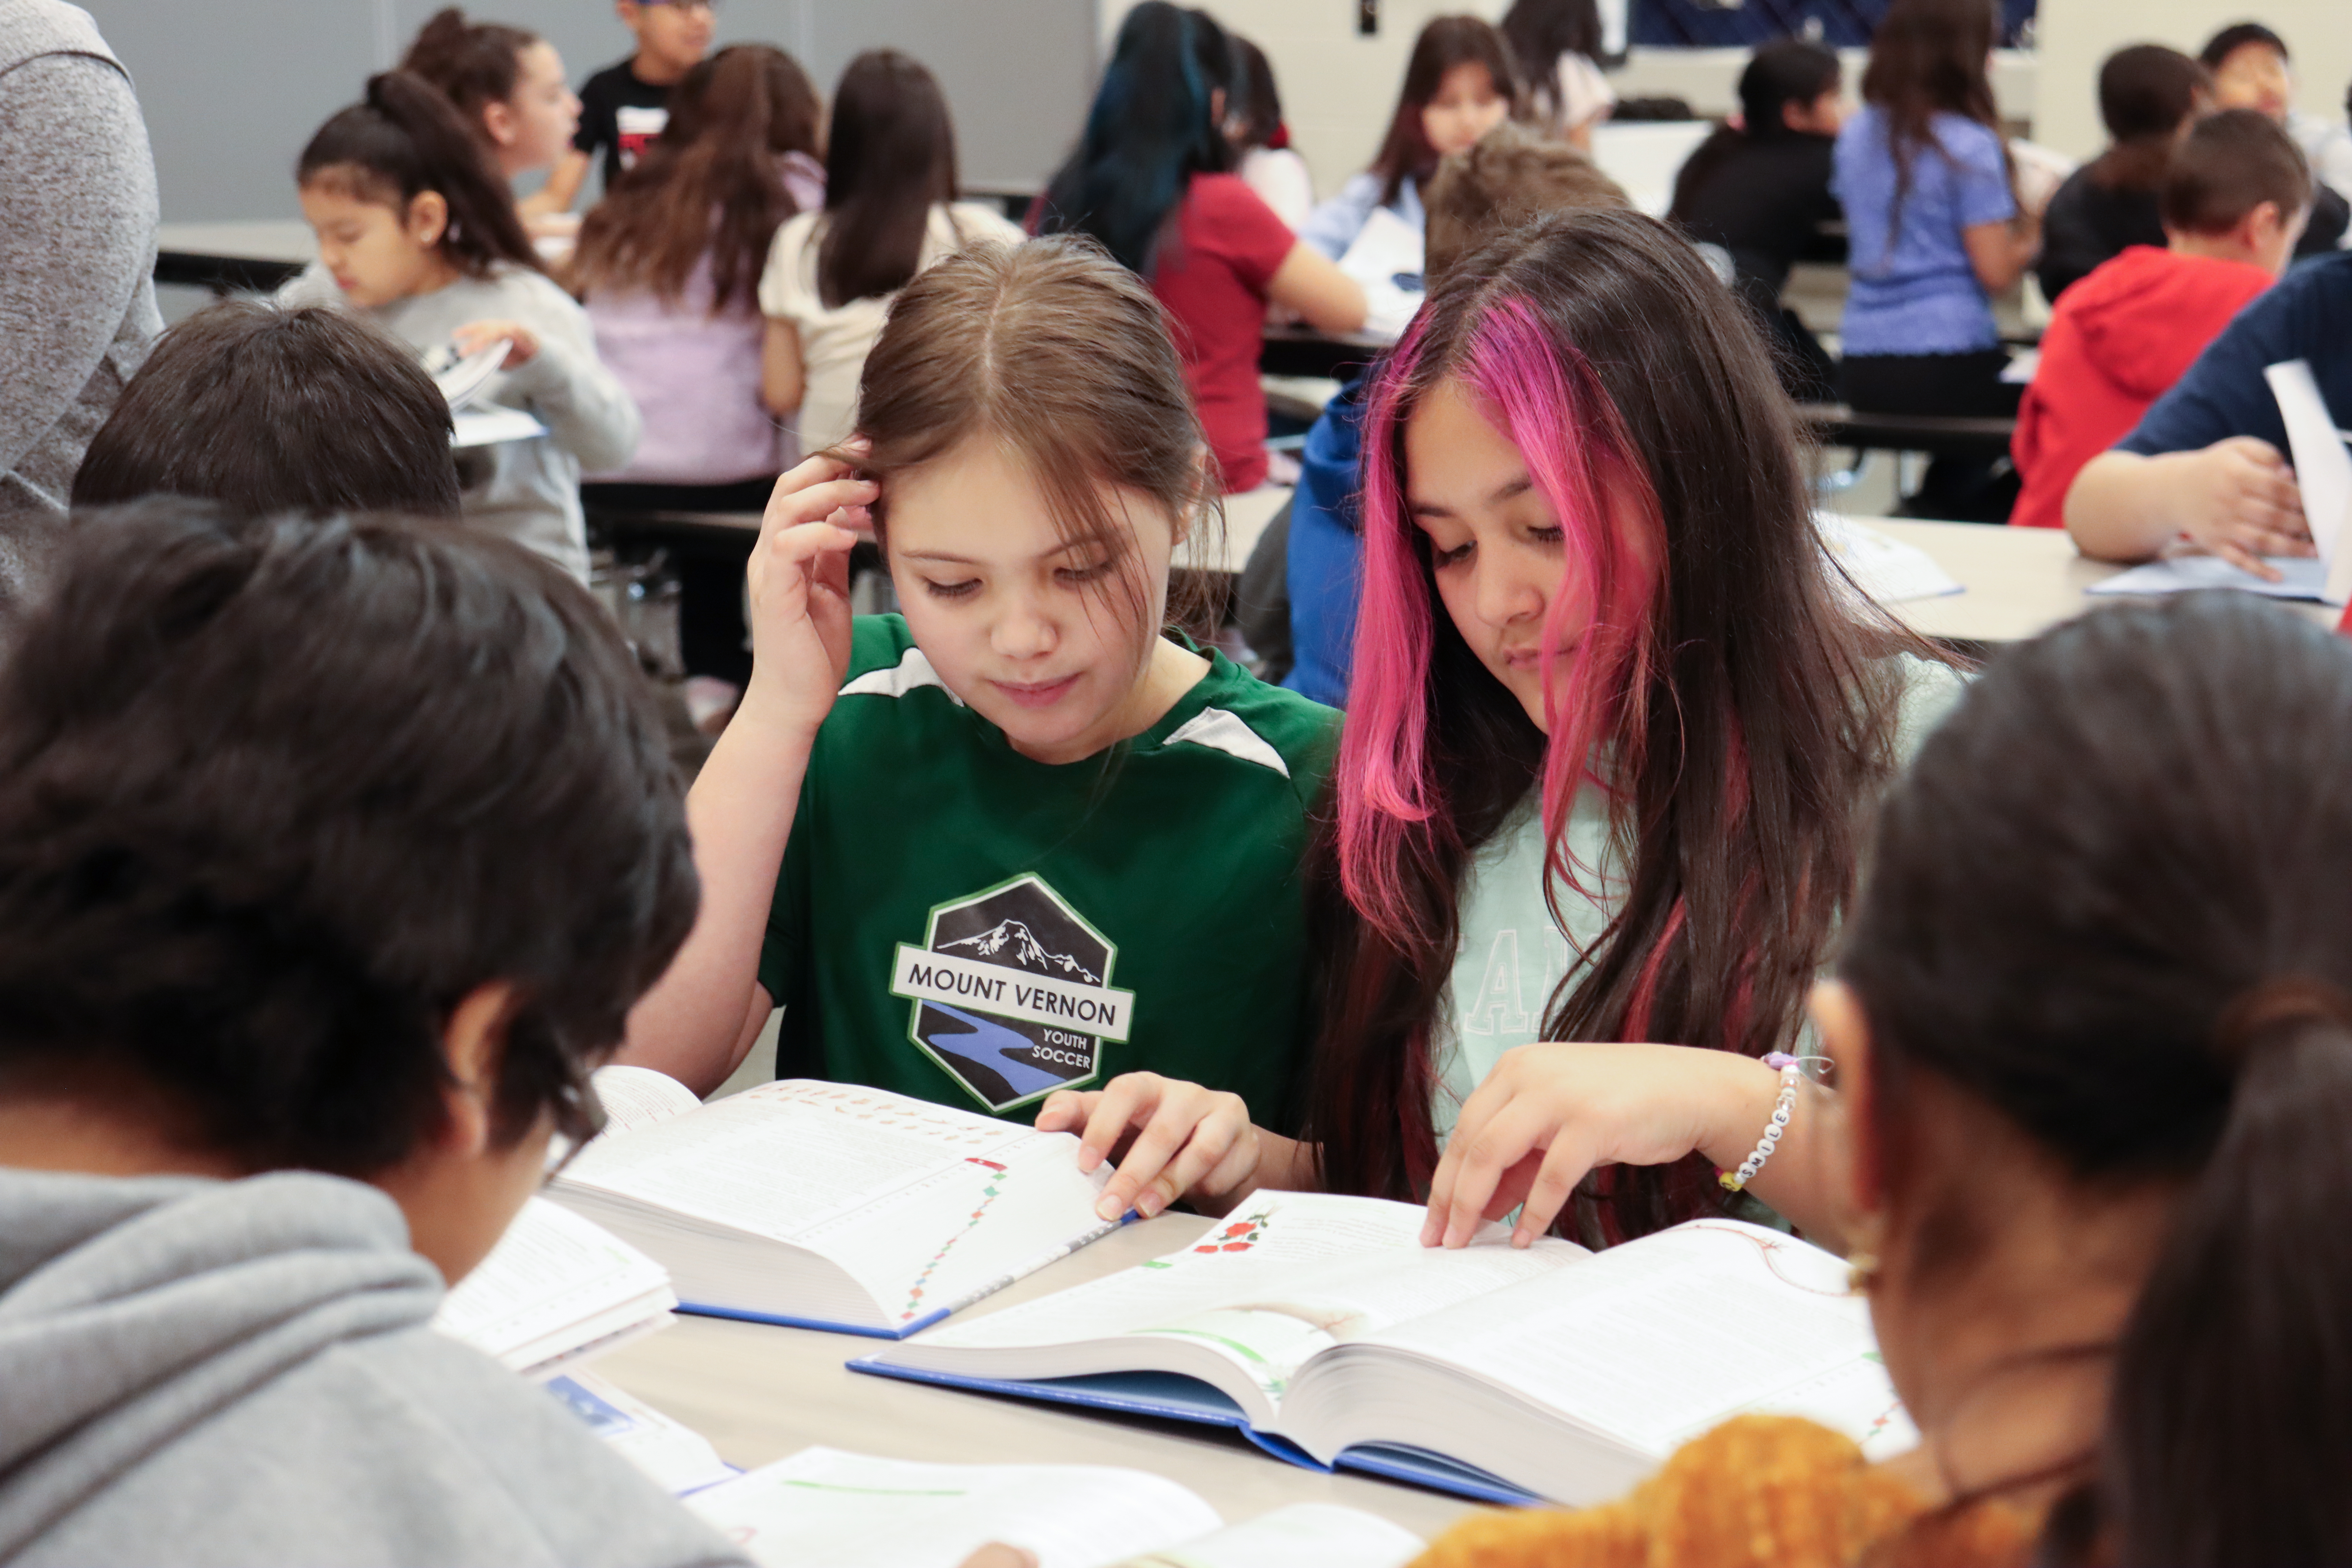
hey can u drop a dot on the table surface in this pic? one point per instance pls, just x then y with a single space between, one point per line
760 1392
261 240
2020 582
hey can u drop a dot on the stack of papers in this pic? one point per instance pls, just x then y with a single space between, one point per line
1885 571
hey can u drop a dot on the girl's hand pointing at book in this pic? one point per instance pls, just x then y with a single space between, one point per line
1170 1139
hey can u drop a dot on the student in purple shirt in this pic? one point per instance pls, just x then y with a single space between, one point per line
1935 231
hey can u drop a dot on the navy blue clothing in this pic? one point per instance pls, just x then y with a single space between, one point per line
1326 572
2307 315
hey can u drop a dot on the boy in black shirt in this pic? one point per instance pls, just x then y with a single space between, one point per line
625 105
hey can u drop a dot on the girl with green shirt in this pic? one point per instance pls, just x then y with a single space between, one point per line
1016 840
1614 731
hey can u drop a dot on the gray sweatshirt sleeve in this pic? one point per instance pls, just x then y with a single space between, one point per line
78 239
583 405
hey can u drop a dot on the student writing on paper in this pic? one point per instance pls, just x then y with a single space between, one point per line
2208 461
1610 739
2097 1074
2234 198
1460 83
417 234
268 410
1151 179
1016 839
1509 177
312 922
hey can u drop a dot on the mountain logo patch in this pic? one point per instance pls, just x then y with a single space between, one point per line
1011 992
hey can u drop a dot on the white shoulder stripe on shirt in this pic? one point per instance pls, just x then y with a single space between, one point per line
1221 730
911 672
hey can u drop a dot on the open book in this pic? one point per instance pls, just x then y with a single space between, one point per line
1322 1329
556 1291
831 1206
825 1509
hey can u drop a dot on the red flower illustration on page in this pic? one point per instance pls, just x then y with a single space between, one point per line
1239 1237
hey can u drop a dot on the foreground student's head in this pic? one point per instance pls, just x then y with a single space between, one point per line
402 197
2100 984
2238 186
2250 68
332 843
1511 177
271 410
1040 461
508 83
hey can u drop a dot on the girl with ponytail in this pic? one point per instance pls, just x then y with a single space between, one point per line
1613 730
508 84
2093 1030
417 232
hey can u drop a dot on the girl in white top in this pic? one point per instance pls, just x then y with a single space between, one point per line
1615 731
1559 44
889 212
418 233
1254 125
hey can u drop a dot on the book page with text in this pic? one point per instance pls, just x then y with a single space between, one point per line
553 1281
637 1097
825 1509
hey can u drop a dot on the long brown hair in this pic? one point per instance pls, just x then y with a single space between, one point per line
889 159
406 138
733 119
1928 57
2145 94
1724 699
476 64
1446 42
1062 356
2109 903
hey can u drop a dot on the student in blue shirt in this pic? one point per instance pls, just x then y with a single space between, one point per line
2208 461
1935 231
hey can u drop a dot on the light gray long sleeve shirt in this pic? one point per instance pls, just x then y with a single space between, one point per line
77 214
527 490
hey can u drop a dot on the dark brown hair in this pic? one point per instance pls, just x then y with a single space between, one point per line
2238 36
276 794
1539 32
1747 717
889 159
2228 164
273 410
1446 42
1928 57
475 63
2109 903
1063 357
2146 93
732 119
1512 176
406 138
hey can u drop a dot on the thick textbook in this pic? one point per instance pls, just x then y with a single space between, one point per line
831 1206
825 1509
1323 1330
556 1291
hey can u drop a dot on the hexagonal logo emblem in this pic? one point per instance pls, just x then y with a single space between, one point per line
1011 992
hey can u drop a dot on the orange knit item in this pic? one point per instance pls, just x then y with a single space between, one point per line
1761 1491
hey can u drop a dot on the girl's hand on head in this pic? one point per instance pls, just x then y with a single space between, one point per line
2242 503
1170 1138
522 343
1549 1113
799 581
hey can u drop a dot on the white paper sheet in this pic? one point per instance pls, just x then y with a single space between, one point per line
825 1509
1304 1535
491 427
1887 570
1387 259
678 1458
461 379
2300 577
2323 471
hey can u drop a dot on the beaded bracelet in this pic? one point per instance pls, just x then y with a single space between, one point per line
1792 1070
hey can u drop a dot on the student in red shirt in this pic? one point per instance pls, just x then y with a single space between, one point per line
2234 199
1151 180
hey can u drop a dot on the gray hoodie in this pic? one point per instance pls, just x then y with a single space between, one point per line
198 1372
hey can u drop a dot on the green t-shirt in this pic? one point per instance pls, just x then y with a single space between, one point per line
962 923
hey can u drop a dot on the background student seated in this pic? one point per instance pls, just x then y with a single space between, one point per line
624 106
2094 1058
508 84
313 922
2234 201
2147 95
2207 466
269 410
1557 46
2251 71
1761 190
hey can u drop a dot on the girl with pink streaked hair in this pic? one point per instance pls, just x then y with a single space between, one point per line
1614 731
